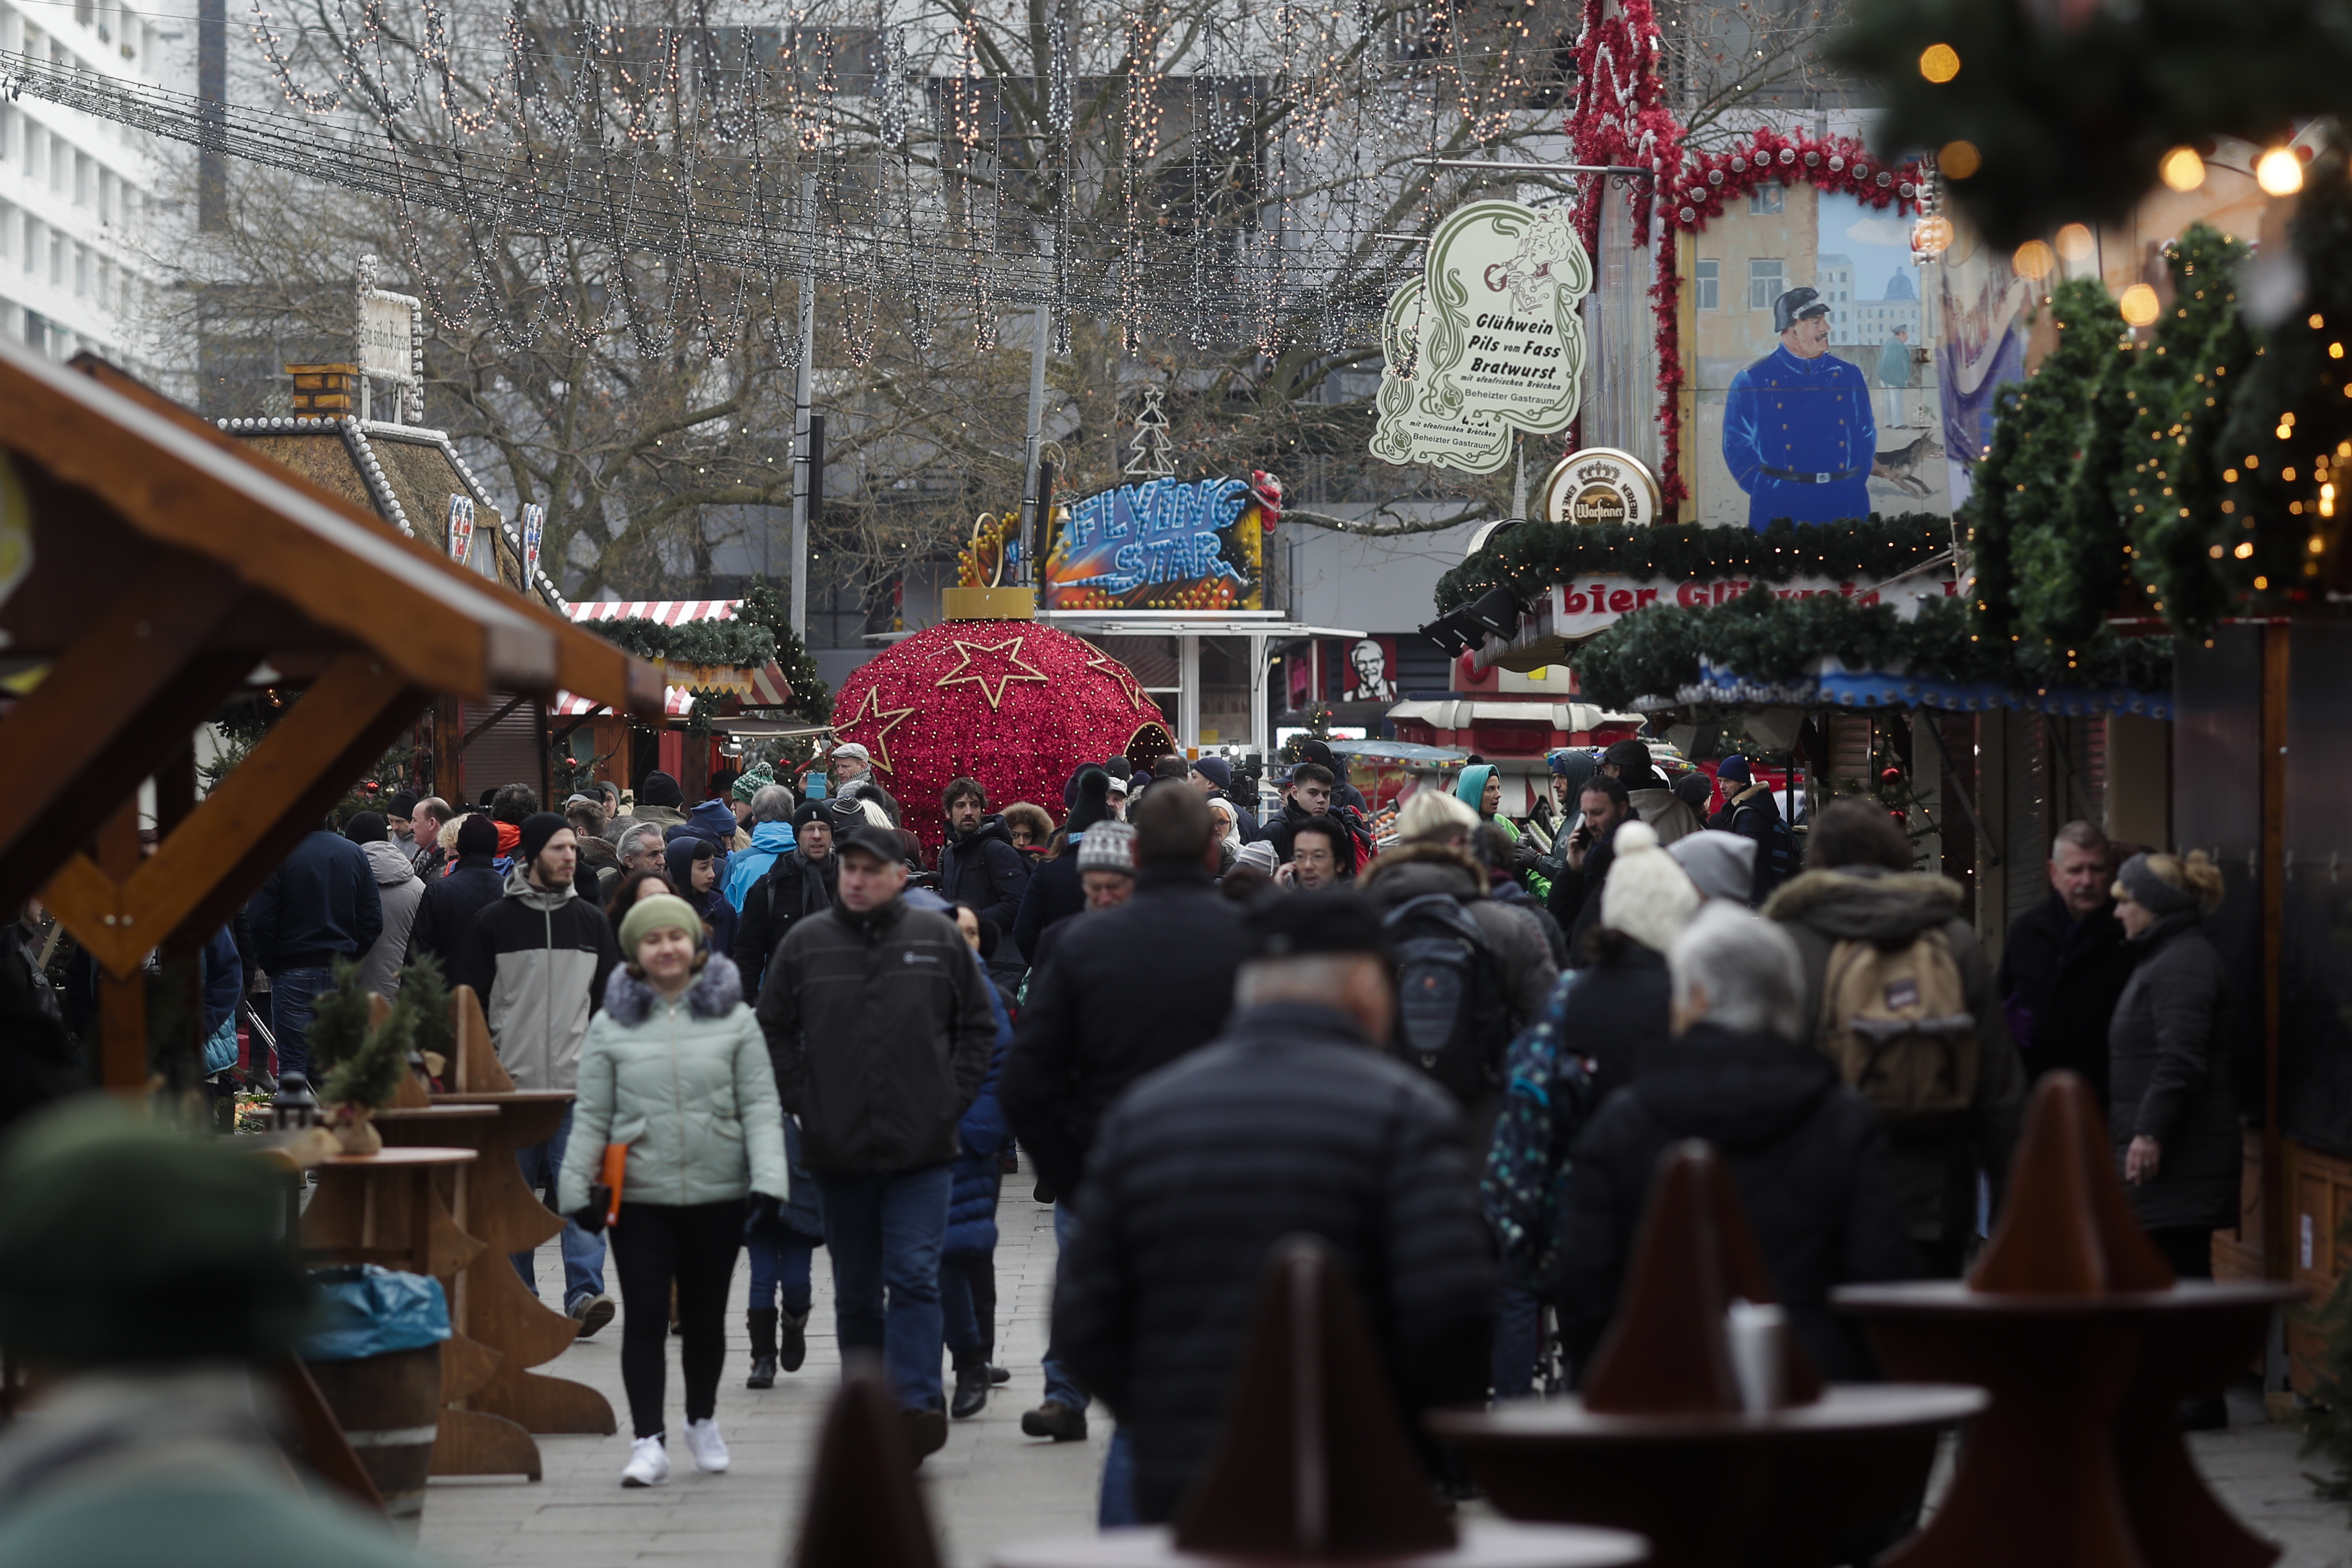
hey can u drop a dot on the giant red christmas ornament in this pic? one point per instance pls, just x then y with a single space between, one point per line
1017 705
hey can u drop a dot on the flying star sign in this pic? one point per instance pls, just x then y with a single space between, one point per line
1159 531
1487 342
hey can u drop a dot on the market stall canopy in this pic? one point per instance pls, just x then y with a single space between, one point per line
763 686
149 569
1399 751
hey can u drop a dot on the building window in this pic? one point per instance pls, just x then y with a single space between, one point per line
32 243
1709 280
56 259
1766 201
1764 283
81 272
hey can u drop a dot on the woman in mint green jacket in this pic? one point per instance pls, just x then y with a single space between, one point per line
675 1068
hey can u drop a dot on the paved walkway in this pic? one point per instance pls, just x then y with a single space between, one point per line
990 1485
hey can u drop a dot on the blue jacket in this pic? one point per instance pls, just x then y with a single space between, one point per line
972 1202
224 979
317 907
1810 417
745 867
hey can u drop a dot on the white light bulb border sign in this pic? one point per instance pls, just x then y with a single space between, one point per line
1487 343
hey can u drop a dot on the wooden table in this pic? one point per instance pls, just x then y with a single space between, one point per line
2079 1462
1715 1488
1486 1543
473 1441
500 1311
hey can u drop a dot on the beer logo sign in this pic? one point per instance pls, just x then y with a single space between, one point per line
1600 485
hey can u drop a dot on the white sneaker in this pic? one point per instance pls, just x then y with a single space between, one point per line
648 1464
709 1449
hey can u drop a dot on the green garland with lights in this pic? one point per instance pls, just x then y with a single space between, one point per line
1533 556
739 644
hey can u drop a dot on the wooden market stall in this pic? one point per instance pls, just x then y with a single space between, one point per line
152 567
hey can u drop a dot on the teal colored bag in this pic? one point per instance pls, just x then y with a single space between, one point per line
220 1051
1546 1098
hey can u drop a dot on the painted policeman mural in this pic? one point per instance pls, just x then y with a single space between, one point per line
1797 427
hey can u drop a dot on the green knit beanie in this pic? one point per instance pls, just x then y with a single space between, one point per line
662 912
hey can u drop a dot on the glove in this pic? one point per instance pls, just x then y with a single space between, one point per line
591 1217
1525 856
765 1214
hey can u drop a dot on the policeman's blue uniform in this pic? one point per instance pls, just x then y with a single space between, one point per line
1799 439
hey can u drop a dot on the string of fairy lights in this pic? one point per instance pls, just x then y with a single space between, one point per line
1231 184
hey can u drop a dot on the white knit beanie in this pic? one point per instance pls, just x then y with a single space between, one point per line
1647 895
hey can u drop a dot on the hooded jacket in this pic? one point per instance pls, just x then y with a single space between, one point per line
320 905
2168 1049
539 960
718 915
686 1084
1292 1121
1129 991
794 888
600 860
1934 1163
879 1029
713 820
447 907
746 867
982 869
1666 813
398 892
1808 1157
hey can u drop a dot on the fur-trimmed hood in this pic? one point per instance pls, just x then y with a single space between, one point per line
1412 868
714 994
1863 904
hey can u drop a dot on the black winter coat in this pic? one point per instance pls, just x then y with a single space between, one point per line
793 888
2170 1061
1808 1156
1617 1009
1936 1163
1292 1121
2059 981
986 871
320 904
448 907
1052 895
1575 898
879 1029
1129 992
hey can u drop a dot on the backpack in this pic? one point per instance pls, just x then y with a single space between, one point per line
1895 1021
1545 1100
1776 849
1453 1020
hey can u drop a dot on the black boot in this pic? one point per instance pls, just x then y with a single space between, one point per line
791 1333
971 1390
762 1325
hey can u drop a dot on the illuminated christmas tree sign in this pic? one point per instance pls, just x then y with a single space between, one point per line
1161 544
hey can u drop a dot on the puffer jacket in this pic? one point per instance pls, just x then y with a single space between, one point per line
1291 1121
1808 1157
398 891
880 1030
539 960
972 1202
1934 1163
686 1084
2168 1057
746 866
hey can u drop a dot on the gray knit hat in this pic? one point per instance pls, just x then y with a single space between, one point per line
1108 846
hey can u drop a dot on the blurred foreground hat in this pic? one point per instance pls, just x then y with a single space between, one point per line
1306 925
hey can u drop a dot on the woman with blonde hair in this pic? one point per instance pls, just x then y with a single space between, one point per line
2174 1113
675 1069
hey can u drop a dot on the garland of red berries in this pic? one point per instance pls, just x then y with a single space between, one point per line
1620 118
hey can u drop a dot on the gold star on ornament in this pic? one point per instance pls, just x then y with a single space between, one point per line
888 719
1012 668
1121 676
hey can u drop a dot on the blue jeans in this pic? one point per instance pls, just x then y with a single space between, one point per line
886 1232
293 997
1518 1334
1115 1508
1062 1385
583 1255
780 1266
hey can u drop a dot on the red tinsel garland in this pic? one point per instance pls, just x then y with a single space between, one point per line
1620 118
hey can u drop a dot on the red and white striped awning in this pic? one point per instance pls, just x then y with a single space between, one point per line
767 688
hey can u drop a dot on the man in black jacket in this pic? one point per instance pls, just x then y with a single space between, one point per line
799 883
880 1031
2065 962
1808 1156
1575 900
1294 1120
321 904
451 902
979 865
1130 990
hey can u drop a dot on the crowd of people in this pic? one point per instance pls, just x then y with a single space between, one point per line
1454 1051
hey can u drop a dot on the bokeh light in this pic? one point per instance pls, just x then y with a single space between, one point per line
1940 63
2034 260
2279 171
2075 243
1958 160
2182 169
2140 306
